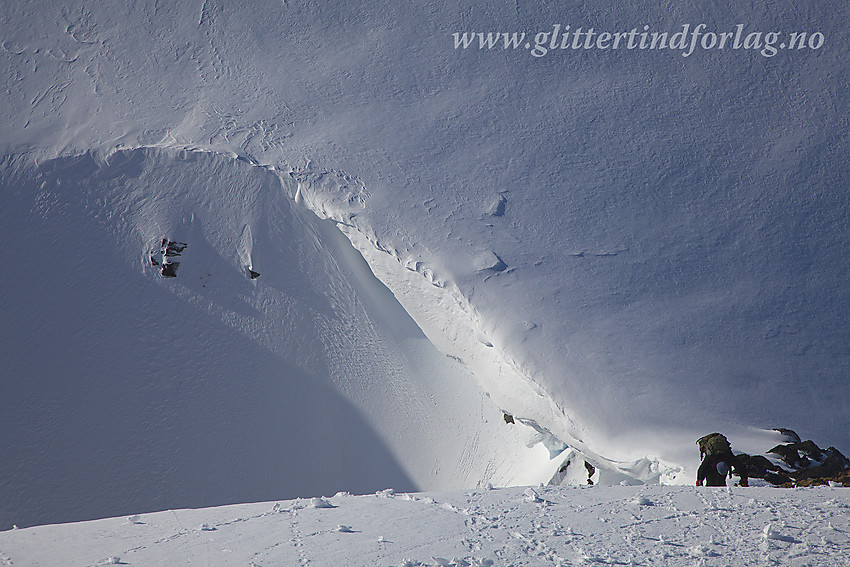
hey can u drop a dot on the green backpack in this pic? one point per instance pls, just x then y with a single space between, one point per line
713 444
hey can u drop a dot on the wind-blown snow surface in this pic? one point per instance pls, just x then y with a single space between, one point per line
626 250
651 525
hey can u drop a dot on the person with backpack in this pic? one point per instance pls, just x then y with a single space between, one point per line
718 462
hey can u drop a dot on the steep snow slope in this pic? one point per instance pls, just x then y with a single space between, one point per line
627 249
127 391
650 525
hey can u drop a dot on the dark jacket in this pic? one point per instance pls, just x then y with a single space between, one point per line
715 468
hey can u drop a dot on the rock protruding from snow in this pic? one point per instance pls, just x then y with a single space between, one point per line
798 463
164 257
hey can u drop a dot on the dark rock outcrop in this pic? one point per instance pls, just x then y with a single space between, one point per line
806 464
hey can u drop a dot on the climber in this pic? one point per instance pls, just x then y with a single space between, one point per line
718 462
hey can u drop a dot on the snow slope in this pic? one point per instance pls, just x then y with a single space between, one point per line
623 250
127 391
556 526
